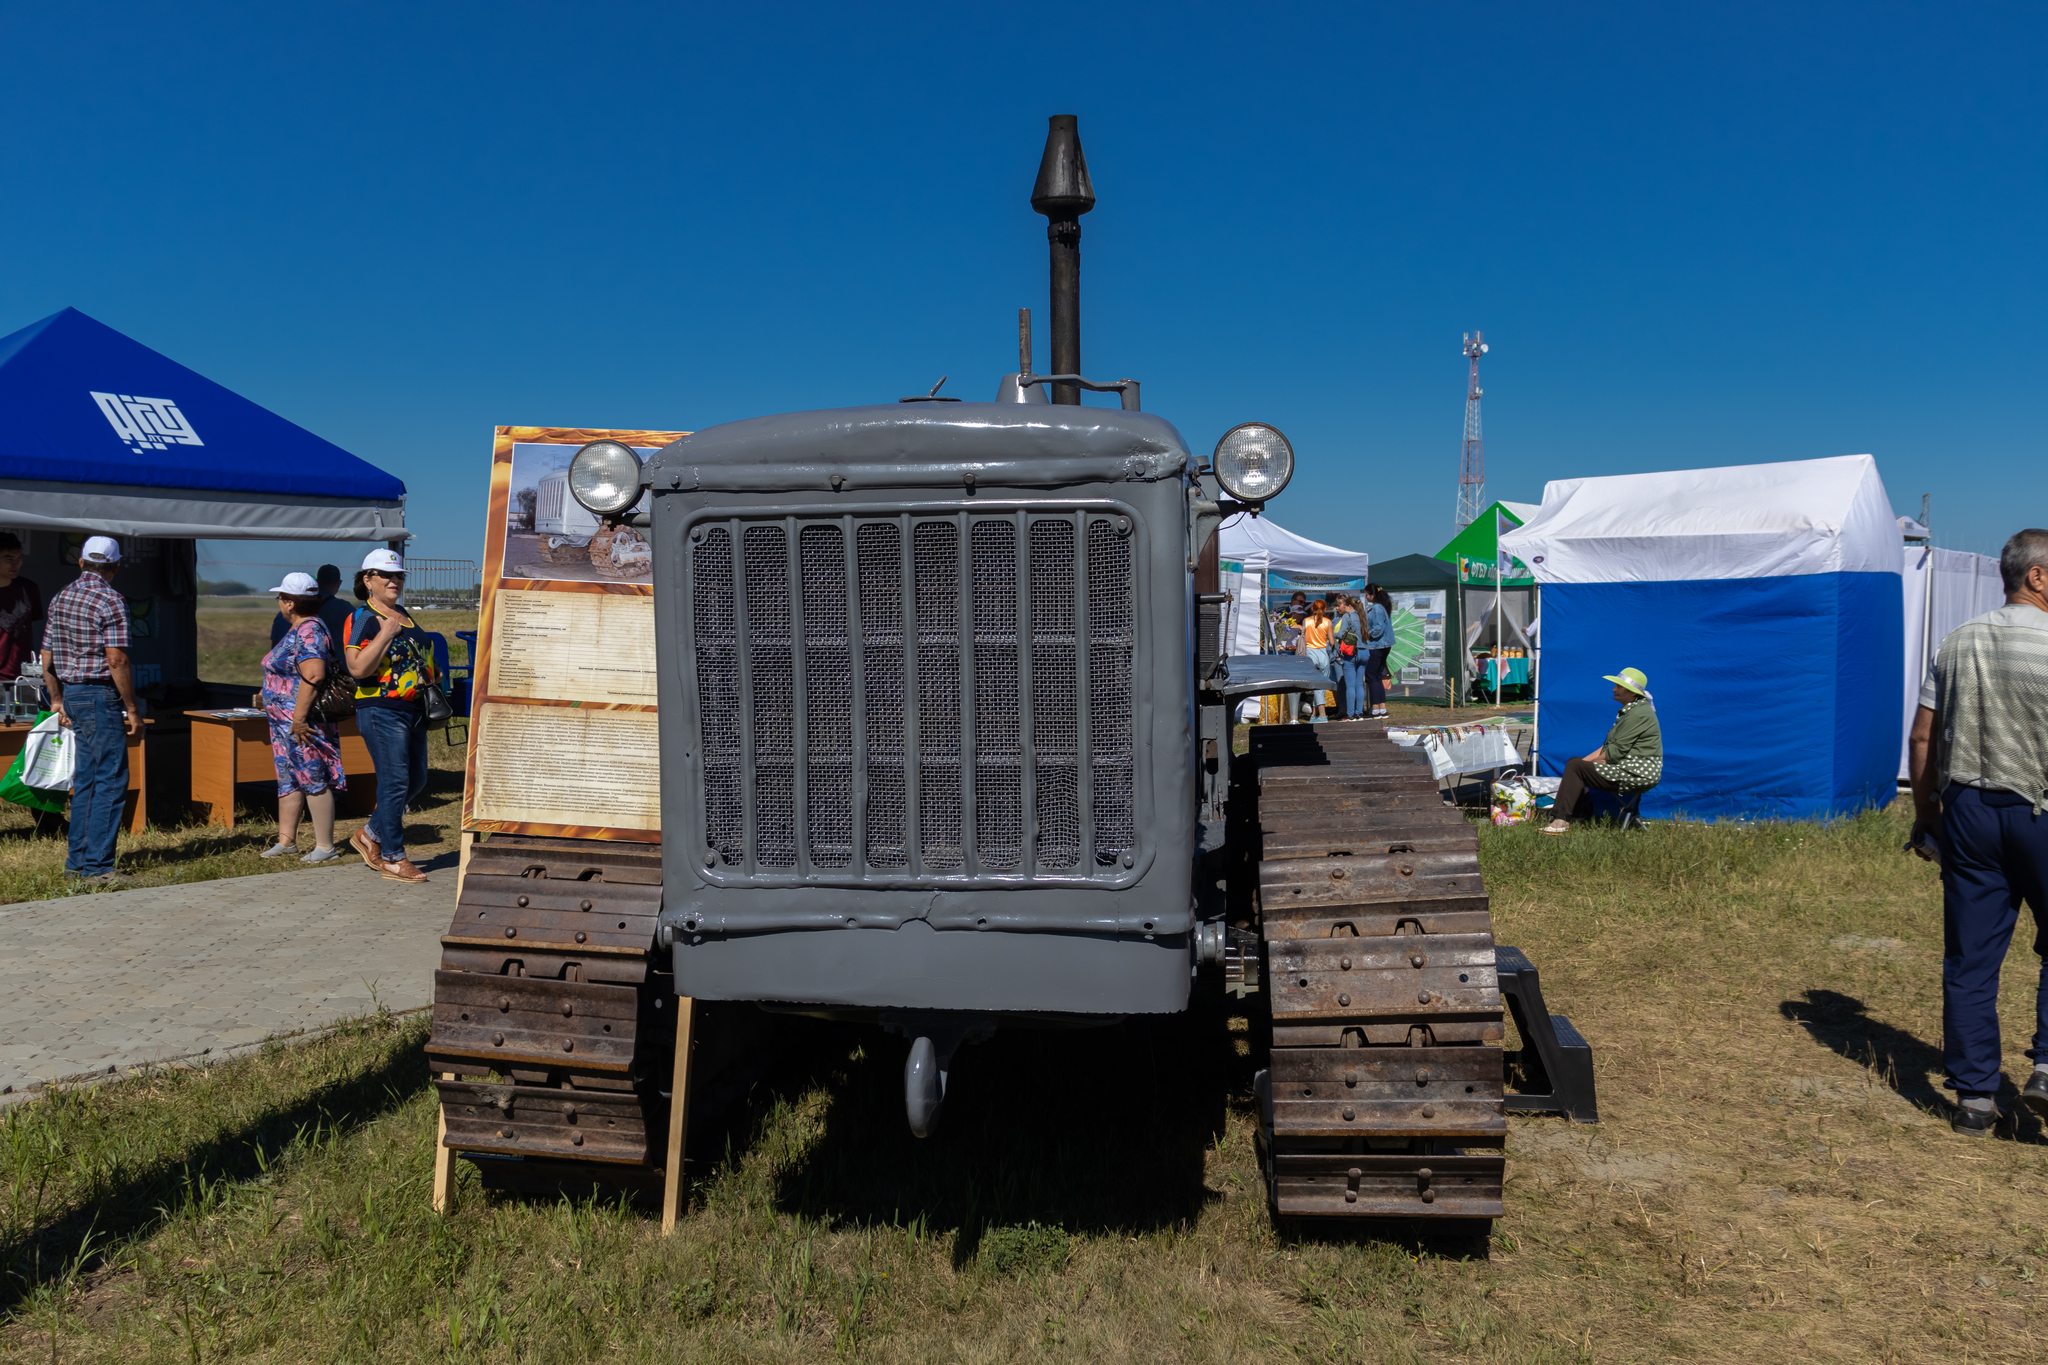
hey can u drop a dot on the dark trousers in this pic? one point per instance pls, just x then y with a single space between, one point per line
99 781
1571 792
1994 854
1376 675
397 740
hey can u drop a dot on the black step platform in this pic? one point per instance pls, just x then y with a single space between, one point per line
1556 1061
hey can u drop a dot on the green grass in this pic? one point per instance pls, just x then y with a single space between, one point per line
1771 1177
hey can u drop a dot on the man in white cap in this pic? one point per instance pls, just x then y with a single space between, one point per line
92 690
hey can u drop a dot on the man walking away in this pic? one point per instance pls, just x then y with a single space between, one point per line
85 658
1980 789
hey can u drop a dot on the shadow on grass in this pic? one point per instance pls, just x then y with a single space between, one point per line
139 1201
1842 1024
1090 1130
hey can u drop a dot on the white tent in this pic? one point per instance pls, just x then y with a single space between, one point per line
1762 601
1943 589
1252 549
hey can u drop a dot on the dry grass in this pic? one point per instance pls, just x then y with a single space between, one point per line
179 847
1771 1177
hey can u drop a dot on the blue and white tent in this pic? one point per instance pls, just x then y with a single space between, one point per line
1764 603
100 433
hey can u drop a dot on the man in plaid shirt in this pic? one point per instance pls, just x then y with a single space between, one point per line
85 660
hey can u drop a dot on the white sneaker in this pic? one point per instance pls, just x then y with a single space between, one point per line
278 850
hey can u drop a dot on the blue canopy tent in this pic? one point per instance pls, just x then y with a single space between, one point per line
101 435
1763 601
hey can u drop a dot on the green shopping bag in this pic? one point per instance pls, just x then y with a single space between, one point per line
12 788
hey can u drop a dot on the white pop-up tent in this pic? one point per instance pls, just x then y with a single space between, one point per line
1260 556
1943 589
1763 601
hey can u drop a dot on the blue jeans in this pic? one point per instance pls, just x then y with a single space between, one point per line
1354 683
397 740
99 781
1994 854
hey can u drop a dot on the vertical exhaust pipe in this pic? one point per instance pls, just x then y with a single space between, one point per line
1063 193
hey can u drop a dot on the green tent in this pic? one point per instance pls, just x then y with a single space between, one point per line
1426 663
1475 549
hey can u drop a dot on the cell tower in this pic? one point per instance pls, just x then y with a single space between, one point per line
1472 462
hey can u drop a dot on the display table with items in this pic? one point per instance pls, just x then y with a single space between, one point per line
1505 675
233 745
1456 749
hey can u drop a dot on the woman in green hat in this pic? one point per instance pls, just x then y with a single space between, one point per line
1631 759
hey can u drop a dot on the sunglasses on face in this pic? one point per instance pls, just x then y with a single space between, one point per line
394 577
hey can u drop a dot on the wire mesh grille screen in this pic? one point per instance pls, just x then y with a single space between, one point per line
921 696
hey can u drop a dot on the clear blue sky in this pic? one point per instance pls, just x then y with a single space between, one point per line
1693 235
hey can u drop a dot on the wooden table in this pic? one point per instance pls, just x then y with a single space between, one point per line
230 747
135 813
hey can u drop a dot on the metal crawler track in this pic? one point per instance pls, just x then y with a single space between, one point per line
1383 1096
548 1008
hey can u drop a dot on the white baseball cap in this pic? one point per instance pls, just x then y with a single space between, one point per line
100 550
297 585
384 561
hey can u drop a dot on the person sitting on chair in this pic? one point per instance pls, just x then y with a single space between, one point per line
1631 760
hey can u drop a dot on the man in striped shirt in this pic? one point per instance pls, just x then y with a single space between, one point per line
92 690
1979 758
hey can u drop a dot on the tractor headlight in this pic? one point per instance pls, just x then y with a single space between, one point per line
605 477
1253 462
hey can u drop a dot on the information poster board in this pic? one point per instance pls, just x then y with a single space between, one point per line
1415 667
563 720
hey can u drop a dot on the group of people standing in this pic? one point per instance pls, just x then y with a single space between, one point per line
1347 642
390 659
386 656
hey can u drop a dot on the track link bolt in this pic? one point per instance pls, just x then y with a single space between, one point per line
511 933
504 1003
523 902
1416 960
1351 1079
1429 1196
1337 875
1429 1111
587 905
1349 1113
568 1045
569 1008
497 1040
576 1140
1345 963
1343 1000
1423 998
581 936
1421 1077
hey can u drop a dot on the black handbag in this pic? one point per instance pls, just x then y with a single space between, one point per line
334 696
433 697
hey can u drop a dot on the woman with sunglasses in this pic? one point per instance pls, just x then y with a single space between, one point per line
392 661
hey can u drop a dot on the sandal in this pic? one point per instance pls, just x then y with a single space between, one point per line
278 850
365 843
403 871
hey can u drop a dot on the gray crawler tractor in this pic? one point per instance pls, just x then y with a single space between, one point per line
945 728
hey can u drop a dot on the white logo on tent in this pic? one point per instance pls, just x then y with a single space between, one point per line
147 423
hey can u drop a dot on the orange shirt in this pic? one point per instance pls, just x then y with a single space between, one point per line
1316 634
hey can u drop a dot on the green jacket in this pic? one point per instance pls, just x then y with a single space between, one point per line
1635 733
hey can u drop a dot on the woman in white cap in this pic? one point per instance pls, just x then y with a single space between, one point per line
307 753
392 661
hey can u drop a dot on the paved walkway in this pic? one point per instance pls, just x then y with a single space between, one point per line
125 978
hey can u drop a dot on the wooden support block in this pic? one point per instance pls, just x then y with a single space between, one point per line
678 1118
444 1160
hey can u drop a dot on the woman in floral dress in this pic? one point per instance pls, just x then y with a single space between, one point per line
307 753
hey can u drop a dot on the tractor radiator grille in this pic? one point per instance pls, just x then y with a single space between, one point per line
917 697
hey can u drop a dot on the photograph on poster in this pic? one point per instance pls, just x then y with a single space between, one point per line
549 535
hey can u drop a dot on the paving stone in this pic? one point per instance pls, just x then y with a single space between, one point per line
126 978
